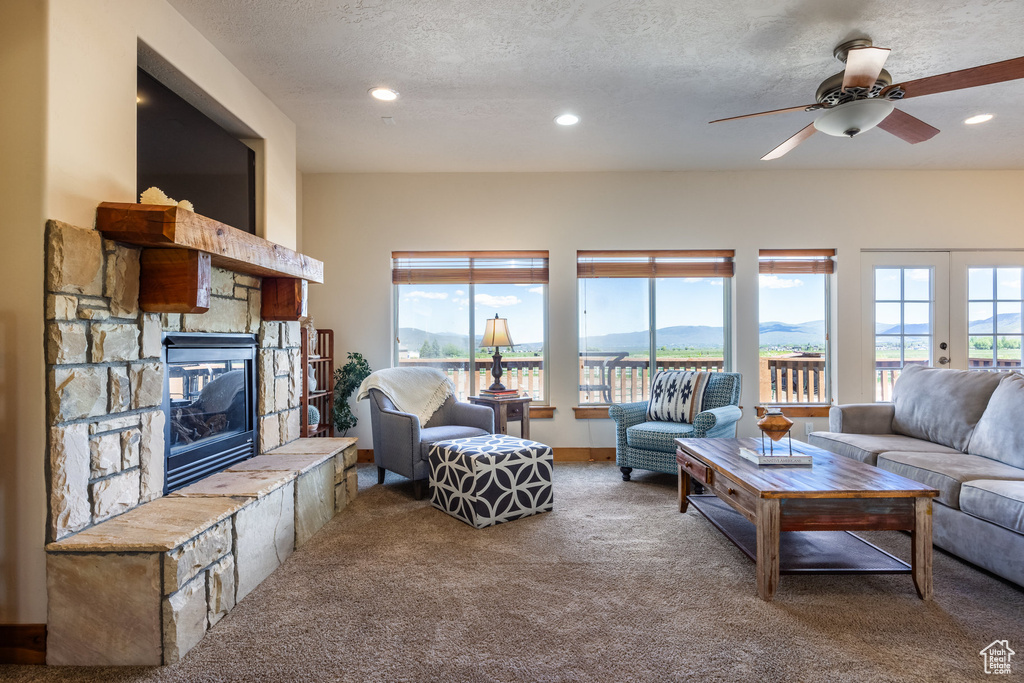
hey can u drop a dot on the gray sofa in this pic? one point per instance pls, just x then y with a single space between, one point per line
962 433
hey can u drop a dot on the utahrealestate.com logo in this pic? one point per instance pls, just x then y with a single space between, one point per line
997 657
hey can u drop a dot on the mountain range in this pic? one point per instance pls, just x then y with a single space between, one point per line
1006 323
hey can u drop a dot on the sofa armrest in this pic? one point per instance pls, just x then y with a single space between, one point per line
861 418
717 422
628 414
469 415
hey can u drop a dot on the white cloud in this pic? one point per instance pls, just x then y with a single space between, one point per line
776 282
459 292
536 290
490 301
920 274
427 295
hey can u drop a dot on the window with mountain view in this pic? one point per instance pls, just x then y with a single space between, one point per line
635 306
993 315
442 300
793 300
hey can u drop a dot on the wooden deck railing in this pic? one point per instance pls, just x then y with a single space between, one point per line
523 374
792 379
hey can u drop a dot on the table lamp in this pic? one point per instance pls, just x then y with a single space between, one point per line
496 335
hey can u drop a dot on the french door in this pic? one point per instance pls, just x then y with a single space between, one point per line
940 309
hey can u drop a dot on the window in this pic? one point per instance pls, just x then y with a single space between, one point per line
793 301
993 317
442 301
635 306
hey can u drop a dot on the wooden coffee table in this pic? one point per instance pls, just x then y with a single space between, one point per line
835 494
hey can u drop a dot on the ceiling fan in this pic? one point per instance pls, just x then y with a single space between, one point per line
862 96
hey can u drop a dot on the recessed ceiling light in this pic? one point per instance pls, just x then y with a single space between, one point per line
567 119
385 94
980 118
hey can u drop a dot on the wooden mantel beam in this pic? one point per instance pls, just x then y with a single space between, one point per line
156 226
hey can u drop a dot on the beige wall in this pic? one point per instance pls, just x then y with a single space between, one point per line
354 221
68 134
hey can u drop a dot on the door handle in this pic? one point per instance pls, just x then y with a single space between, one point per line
943 360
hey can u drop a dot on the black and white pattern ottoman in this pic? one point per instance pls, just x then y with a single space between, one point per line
487 480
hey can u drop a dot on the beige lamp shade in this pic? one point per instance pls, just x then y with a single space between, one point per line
496 333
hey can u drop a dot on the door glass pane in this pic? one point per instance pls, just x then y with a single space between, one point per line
433 330
981 352
690 319
979 317
979 283
1008 318
615 339
1009 351
1008 283
522 306
994 313
917 284
911 343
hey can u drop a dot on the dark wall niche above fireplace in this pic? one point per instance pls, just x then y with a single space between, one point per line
210 403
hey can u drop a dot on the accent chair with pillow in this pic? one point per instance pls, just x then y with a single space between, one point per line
410 410
683 405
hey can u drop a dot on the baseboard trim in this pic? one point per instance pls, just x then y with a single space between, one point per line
365 455
22 643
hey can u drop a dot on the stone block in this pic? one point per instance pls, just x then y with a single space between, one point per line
253 316
314 501
65 343
251 281
114 424
220 589
147 382
266 401
105 455
269 335
264 537
225 315
290 332
296 376
151 455
186 561
130 448
222 282
270 432
350 454
340 497
61 307
170 321
281 394
114 495
103 609
122 281
74 260
69 479
184 617
77 392
291 426
152 336
113 342
118 390
352 483
237 483
282 363
93 311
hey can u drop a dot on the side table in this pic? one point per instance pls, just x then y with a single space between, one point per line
507 410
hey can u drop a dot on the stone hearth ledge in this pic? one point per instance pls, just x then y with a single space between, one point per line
215 541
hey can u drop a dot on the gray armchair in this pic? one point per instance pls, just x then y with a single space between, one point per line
401 444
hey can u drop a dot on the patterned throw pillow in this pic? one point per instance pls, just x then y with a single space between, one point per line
677 395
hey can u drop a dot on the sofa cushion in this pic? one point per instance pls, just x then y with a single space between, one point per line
999 502
657 436
1000 431
946 472
942 406
431 435
866 447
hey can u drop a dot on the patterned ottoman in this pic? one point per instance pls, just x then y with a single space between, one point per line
487 480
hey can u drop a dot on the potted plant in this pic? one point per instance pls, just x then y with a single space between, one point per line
347 379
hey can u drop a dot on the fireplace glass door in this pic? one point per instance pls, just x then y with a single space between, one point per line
210 404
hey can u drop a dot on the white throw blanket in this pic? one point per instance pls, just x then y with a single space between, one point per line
419 391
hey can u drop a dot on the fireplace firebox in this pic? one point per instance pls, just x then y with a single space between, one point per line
210 404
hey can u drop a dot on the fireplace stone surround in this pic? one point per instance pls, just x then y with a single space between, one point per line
113 537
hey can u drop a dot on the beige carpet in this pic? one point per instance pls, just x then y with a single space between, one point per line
614 585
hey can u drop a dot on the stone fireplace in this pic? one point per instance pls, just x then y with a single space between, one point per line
142 562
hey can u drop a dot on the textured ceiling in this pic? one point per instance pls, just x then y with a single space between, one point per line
481 80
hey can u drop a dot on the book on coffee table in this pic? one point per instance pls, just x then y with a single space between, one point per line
759 457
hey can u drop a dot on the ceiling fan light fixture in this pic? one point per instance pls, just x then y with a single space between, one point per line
854 118
980 118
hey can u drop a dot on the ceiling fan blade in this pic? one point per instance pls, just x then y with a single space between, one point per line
907 127
863 64
804 133
802 107
1008 70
